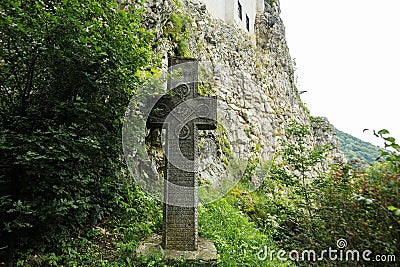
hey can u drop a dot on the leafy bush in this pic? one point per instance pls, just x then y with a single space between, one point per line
360 206
67 74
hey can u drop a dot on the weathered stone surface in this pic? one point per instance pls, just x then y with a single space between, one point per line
182 116
253 79
206 251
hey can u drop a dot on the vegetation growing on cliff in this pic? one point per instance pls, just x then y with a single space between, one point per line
179 32
360 206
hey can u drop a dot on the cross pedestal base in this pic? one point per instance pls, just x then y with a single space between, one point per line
206 252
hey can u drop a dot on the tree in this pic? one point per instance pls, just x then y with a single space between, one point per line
67 72
301 158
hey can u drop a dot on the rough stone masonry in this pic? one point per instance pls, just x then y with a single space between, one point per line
254 80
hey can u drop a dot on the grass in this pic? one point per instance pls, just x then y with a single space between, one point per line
237 239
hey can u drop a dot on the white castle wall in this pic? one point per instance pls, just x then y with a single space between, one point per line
228 11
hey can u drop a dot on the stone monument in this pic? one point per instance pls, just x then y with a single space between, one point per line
181 113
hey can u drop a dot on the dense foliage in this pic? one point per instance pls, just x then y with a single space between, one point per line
67 72
360 206
357 150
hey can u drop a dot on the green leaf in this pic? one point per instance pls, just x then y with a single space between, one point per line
392 208
390 139
383 131
396 146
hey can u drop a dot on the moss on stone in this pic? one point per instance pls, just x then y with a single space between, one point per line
224 144
253 161
205 90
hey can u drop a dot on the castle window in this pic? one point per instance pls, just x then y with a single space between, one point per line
240 10
247 23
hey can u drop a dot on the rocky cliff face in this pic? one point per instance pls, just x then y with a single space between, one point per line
252 77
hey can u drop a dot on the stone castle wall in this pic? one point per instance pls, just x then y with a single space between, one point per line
253 79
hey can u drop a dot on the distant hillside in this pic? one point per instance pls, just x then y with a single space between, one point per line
357 149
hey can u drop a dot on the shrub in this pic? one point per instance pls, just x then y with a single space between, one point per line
67 74
358 205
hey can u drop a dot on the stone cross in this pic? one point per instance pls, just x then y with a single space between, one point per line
182 112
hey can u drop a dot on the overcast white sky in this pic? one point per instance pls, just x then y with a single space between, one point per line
348 55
